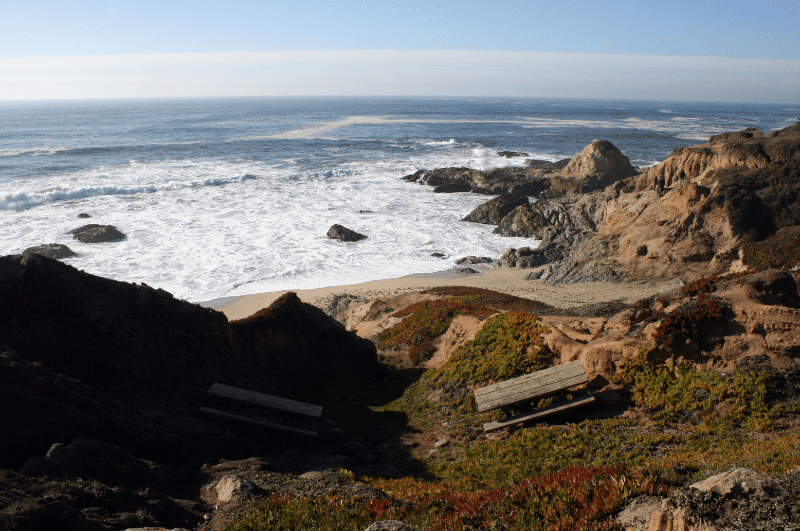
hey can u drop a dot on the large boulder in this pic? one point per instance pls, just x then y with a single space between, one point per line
51 250
339 232
94 233
601 157
493 211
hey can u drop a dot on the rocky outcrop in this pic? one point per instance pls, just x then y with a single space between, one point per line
601 157
691 231
522 181
597 166
473 260
730 505
584 212
93 233
496 209
51 250
555 245
738 482
80 348
338 232
511 154
742 150
757 314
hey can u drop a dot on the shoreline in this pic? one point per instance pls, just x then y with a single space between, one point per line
503 279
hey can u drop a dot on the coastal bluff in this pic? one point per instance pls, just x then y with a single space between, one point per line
741 190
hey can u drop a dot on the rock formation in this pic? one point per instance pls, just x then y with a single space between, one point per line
601 157
597 166
77 348
338 232
493 211
51 250
737 191
94 233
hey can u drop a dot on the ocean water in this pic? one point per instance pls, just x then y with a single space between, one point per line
229 197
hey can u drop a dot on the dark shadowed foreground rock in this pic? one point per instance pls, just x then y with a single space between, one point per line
94 233
338 232
493 211
87 357
51 250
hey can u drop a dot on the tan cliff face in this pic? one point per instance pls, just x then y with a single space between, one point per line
739 188
747 149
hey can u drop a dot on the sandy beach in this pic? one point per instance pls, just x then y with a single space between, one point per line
502 279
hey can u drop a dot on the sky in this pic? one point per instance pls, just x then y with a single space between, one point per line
669 50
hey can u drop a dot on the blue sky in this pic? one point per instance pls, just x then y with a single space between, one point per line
710 50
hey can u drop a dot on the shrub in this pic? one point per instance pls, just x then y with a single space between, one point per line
779 251
425 321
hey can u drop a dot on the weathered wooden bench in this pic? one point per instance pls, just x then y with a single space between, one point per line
253 398
528 387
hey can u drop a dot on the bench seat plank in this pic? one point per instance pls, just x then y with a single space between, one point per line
539 413
266 401
530 386
257 422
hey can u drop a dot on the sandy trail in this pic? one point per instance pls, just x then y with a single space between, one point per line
502 279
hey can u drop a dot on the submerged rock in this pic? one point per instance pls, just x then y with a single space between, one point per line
338 232
51 250
94 233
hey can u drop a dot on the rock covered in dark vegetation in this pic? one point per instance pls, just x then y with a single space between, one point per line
511 154
126 364
494 210
51 250
338 232
94 233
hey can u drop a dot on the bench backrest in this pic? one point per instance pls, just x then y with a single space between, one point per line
266 401
530 386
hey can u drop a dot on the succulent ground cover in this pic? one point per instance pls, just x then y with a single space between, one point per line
782 250
571 473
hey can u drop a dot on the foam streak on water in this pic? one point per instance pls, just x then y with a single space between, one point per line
231 197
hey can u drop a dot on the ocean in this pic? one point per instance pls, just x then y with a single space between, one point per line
228 197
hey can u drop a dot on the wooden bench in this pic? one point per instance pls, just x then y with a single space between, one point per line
253 398
531 386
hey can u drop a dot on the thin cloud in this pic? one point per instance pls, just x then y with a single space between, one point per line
401 73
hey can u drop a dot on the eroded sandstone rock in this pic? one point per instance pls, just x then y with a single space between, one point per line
738 482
